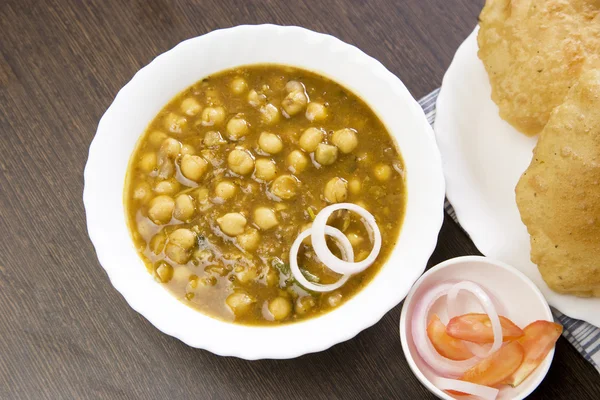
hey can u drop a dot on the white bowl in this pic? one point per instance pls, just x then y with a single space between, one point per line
520 300
157 83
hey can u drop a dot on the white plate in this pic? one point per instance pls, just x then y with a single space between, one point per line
483 158
153 86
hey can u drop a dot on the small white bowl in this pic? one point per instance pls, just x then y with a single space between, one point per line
520 300
156 84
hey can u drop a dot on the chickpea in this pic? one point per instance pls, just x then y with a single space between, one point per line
157 243
240 161
382 172
145 228
190 106
175 123
304 304
213 138
294 102
238 85
315 112
202 201
170 186
272 277
193 282
156 138
193 167
336 190
310 139
161 209
294 86
270 143
203 255
182 237
354 238
247 274
255 99
187 149
232 224
240 302
237 127
334 299
181 274
213 116
265 169
148 162
269 114
326 154
201 194
265 218
355 186
345 140
170 148
280 308
285 187
225 190
184 207
249 240
142 192
164 272
297 161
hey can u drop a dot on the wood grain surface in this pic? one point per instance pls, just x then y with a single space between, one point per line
65 333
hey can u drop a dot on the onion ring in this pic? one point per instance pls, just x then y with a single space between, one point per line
479 350
344 245
483 392
488 307
442 365
327 257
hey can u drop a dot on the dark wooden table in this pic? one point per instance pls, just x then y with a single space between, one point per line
64 331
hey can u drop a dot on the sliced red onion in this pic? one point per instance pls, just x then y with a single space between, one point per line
442 365
479 350
327 257
488 307
480 391
345 247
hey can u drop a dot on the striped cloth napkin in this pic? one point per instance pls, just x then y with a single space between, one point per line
585 337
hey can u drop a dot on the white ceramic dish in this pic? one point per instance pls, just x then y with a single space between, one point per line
154 85
520 300
483 158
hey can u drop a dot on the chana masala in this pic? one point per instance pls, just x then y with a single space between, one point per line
232 170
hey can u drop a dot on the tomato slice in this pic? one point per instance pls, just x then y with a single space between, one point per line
447 346
477 328
539 339
495 369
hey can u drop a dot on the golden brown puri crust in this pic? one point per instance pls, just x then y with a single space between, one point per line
534 51
559 194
